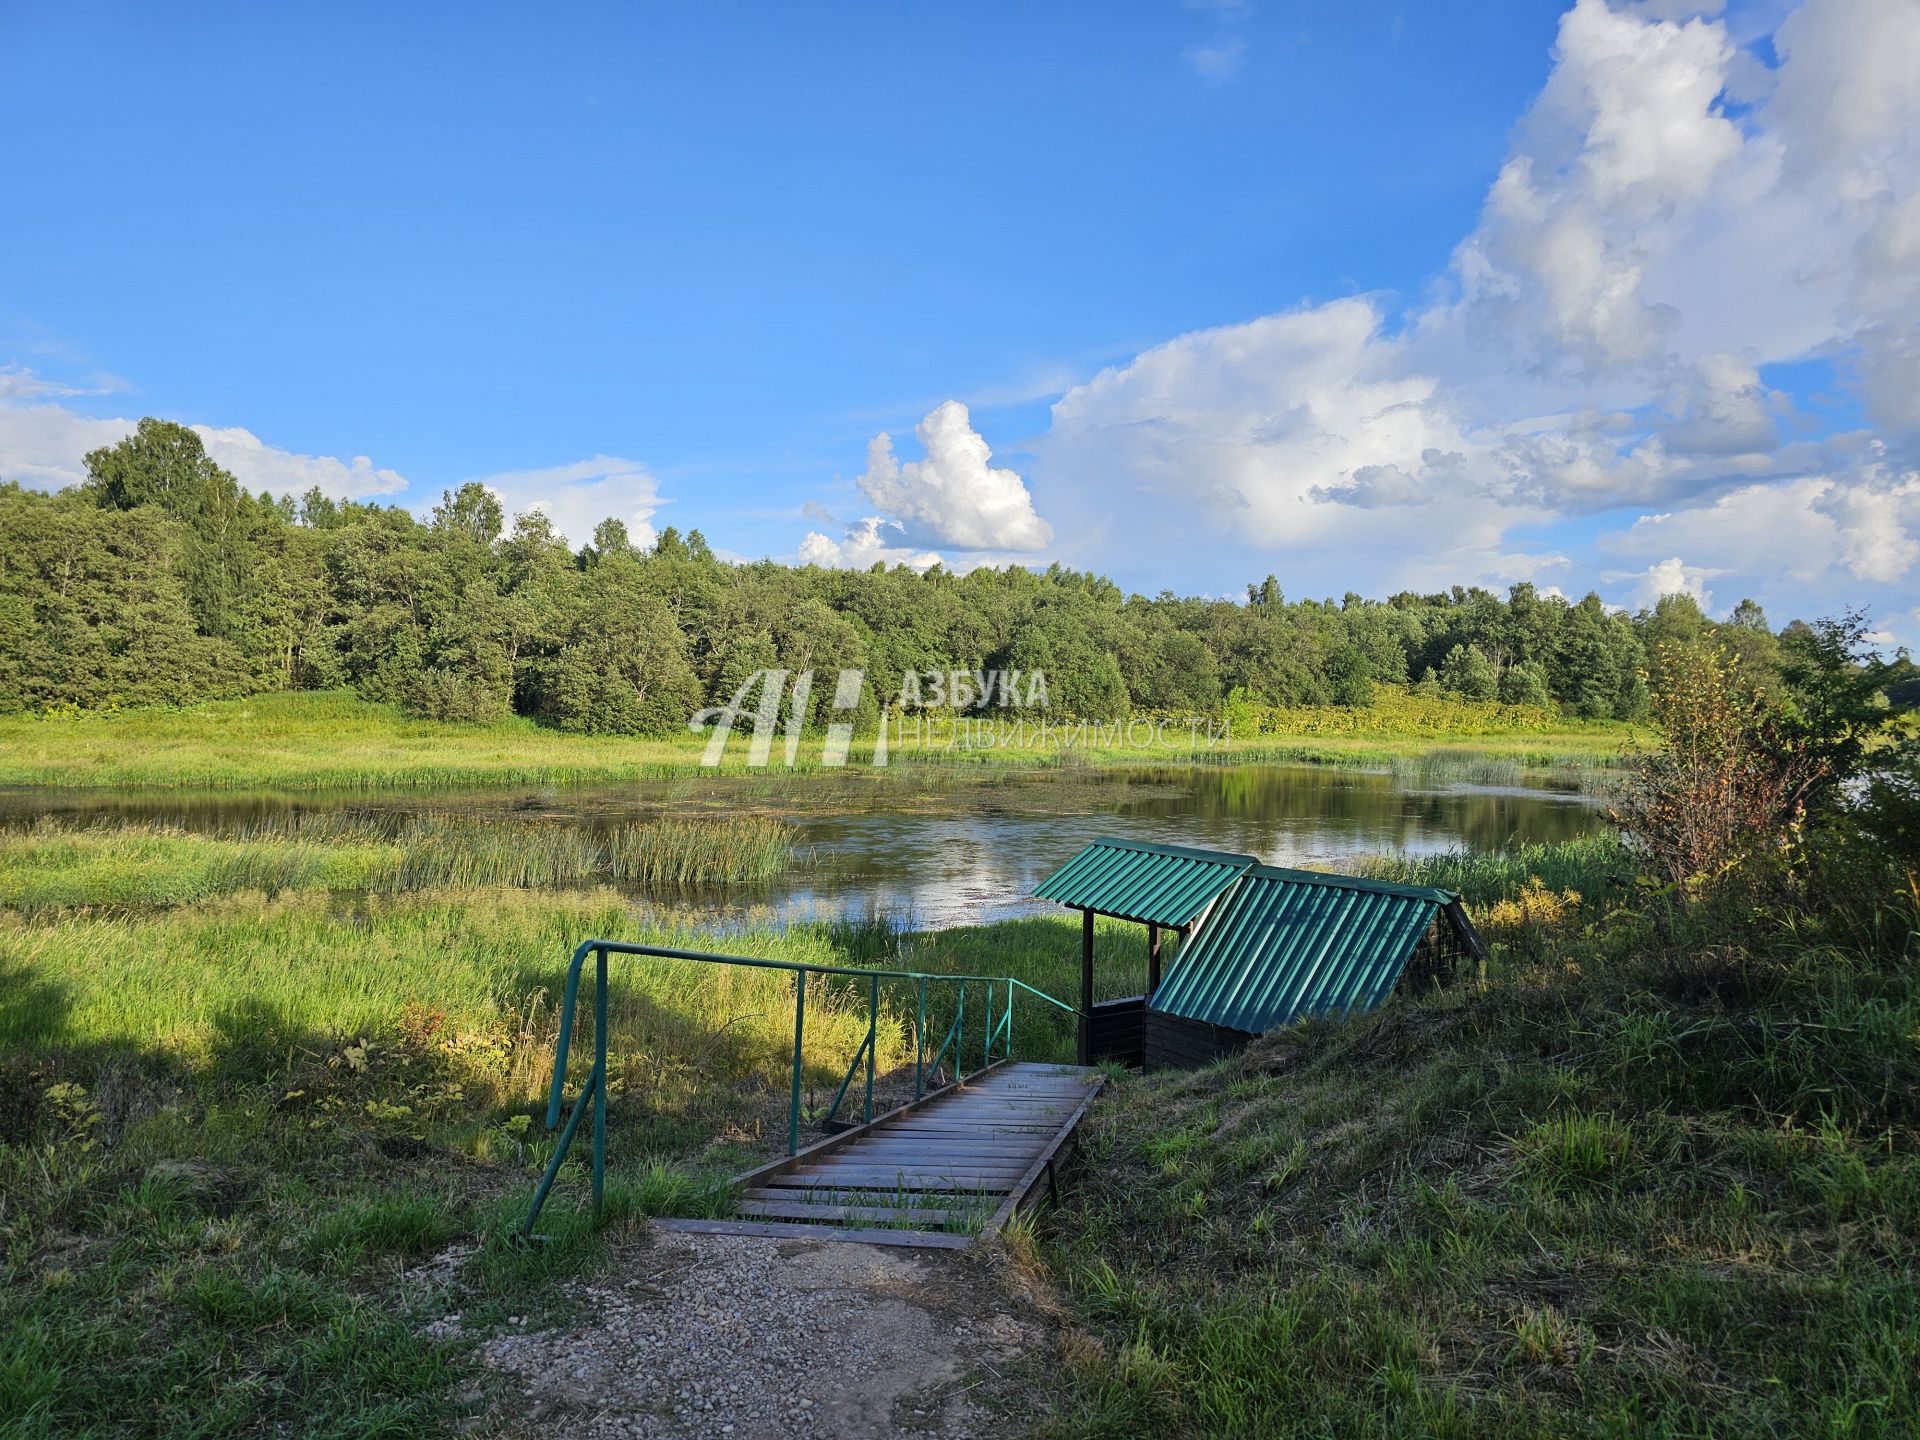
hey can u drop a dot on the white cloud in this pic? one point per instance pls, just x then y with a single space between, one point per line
1803 545
45 444
260 466
865 544
1596 344
18 383
1218 61
1671 576
953 496
578 496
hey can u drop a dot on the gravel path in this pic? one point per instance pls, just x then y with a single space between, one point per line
726 1335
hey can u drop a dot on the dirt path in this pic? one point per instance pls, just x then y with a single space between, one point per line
722 1335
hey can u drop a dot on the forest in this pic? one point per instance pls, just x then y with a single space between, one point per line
161 581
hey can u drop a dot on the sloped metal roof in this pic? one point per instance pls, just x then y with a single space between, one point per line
1154 884
1289 943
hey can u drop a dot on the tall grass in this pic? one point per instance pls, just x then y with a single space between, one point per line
1651 1177
1593 865
699 852
118 865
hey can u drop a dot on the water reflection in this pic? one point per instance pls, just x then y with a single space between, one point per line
928 853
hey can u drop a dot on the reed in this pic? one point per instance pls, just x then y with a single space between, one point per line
118 865
1592 866
699 852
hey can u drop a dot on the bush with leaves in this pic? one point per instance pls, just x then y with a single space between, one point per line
1728 780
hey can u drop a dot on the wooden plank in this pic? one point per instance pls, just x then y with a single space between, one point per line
793 1230
957 1126
996 1097
949 1139
975 1144
826 1195
951 1145
856 1214
906 1181
1023 1187
869 1151
895 1179
971 1207
845 1137
975 1135
925 1164
922 1166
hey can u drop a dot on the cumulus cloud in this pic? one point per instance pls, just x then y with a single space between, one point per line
866 543
576 497
1671 576
45 444
953 496
1674 215
260 466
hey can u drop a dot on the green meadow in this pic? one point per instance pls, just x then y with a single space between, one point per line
336 741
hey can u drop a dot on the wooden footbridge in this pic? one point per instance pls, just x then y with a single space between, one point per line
953 1164
938 1172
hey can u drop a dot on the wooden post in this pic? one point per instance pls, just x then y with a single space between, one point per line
1086 987
1153 959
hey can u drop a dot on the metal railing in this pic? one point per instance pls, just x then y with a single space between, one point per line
998 1031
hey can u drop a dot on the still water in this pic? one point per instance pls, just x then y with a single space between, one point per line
929 851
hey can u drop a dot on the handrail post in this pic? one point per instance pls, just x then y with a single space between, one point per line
554 1162
873 1020
600 1069
986 1035
569 995
920 1044
799 1033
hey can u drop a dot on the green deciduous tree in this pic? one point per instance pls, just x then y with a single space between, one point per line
1467 672
622 668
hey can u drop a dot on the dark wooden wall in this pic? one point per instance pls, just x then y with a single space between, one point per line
1174 1042
1119 1031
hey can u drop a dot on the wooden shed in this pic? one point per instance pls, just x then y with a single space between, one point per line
1264 946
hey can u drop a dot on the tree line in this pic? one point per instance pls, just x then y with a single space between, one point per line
160 580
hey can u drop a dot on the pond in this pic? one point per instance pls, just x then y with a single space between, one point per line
927 849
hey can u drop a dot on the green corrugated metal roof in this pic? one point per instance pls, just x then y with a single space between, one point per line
1288 943
1154 884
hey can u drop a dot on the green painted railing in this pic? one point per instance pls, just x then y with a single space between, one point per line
997 1032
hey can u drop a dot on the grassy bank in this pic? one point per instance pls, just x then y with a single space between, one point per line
250 1146
1636 1178
1655 1174
336 741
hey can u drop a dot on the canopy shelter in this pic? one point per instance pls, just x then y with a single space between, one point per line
1286 944
1264 946
1160 886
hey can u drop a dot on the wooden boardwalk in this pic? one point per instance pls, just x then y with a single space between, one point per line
939 1172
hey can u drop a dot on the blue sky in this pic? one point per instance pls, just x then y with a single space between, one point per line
688 262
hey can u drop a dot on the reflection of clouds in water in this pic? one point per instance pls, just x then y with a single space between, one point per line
936 871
